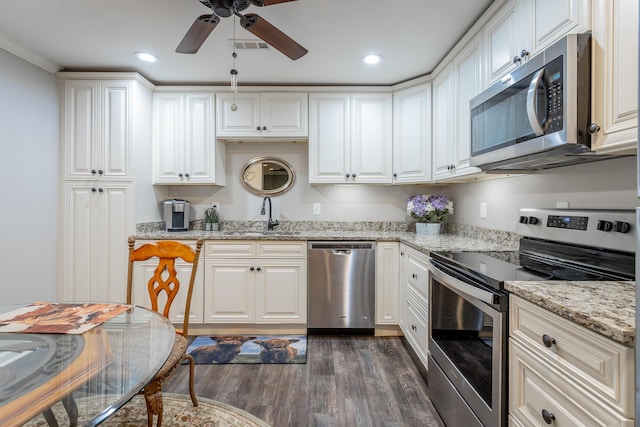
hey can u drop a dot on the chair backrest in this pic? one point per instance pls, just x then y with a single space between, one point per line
167 251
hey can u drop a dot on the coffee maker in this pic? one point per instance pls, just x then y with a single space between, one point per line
176 214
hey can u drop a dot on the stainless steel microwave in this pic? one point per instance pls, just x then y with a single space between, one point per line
538 116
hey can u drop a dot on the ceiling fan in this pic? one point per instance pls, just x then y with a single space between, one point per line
260 27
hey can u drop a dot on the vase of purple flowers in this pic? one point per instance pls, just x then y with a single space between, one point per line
429 211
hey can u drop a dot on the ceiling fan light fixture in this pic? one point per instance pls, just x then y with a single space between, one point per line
146 57
371 59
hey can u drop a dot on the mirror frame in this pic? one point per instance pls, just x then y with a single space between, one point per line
276 192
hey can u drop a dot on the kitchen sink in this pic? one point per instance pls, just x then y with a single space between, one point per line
261 233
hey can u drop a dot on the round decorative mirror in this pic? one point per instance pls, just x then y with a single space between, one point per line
267 176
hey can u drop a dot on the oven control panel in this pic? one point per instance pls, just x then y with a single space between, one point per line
611 229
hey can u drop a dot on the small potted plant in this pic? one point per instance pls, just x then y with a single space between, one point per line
429 211
211 219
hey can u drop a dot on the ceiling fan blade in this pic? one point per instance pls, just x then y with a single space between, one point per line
260 27
198 33
268 2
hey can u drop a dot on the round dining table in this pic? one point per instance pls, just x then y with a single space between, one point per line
96 371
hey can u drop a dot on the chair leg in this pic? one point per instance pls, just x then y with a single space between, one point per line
192 391
50 418
153 398
72 409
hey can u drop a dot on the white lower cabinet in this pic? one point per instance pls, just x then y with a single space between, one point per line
143 271
563 374
414 300
255 282
387 274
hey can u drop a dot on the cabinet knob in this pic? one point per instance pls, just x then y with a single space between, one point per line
93 171
524 54
401 253
264 128
180 174
395 175
593 128
353 175
100 189
252 268
94 189
414 275
348 175
100 171
413 327
187 175
258 128
517 59
548 417
548 341
259 268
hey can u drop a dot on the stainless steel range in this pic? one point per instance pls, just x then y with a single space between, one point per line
468 304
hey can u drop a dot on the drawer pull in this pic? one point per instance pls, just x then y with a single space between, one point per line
548 417
414 275
548 341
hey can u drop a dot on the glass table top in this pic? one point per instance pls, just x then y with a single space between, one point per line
107 365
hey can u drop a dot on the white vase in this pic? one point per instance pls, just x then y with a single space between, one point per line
428 228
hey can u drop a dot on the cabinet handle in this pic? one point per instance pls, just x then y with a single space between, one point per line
548 417
414 275
413 327
548 341
259 268
517 59
401 253
524 54
593 128
252 268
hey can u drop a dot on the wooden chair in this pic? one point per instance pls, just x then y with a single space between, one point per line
167 251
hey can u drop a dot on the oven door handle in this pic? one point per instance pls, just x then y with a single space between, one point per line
449 278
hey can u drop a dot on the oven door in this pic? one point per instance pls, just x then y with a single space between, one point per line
467 352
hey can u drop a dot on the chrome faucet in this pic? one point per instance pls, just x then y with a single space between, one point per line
270 222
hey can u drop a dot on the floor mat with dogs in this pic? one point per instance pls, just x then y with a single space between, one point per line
249 349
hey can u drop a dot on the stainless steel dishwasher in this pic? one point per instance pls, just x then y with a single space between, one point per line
341 287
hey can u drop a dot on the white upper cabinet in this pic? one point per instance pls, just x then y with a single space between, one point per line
260 115
615 75
350 138
184 147
522 28
97 129
443 122
412 135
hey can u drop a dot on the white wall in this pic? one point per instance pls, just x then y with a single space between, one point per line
29 190
610 184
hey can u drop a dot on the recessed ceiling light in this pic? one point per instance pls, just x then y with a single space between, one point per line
371 59
146 57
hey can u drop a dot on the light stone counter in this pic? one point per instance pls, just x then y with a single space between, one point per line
604 307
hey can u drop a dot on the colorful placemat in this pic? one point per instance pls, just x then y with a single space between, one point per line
59 318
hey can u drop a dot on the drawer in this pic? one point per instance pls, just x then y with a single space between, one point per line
417 325
281 249
417 271
534 386
600 365
229 249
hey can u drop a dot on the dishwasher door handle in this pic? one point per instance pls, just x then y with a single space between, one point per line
341 251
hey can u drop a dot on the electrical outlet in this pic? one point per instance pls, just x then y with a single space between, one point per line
483 210
317 209
562 205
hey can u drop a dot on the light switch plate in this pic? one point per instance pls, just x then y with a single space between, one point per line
483 210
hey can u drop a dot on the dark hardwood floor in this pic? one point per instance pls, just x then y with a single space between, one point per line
347 381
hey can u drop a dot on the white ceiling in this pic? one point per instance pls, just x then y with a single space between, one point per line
102 35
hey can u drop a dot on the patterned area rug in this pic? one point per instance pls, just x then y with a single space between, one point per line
178 412
249 349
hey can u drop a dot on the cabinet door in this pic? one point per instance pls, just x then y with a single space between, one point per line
80 128
285 114
143 271
371 135
387 276
281 291
443 149
502 42
98 218
199 140
468 83
244 121
569 16
229 291
615 75
115 148
168 138
412 135
328 138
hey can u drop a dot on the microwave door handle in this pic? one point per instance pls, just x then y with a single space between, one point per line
532 103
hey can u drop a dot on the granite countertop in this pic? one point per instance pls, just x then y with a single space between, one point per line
607 308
